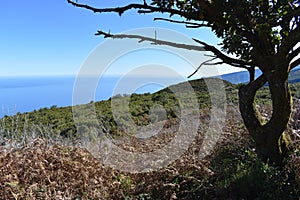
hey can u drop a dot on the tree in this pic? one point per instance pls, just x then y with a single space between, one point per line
260 33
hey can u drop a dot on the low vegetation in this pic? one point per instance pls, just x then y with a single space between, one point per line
60 120
41 158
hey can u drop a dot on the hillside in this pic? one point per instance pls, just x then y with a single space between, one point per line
295 76
59 121
41 158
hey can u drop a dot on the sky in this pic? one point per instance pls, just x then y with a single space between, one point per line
55 38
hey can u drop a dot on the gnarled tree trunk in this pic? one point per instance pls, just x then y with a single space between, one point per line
267 136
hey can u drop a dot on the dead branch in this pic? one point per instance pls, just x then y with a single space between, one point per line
218 54
295 64
203 63
226 59
142 8
188 24
154 41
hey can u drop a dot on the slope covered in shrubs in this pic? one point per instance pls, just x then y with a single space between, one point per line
38 161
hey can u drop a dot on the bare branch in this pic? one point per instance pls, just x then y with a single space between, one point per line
207 55
210 15
226 59
295 64
188 24
154 41
218 54
105 34
294 53
204 63
142 8
215 63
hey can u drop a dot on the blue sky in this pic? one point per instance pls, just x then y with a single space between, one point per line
54 38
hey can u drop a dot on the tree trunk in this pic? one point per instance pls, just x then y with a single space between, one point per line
267 136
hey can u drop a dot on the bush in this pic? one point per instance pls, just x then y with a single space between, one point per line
241 175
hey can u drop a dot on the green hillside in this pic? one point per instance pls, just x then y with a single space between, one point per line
59 121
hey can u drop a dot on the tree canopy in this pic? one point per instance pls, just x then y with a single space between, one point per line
251 30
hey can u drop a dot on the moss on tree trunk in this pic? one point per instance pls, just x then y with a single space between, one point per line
268 137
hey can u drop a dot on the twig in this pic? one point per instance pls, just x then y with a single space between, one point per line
188 24
203 63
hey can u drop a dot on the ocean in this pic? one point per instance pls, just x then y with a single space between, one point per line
25 94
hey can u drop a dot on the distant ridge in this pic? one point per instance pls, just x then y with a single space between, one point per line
243 76
295 75
239 77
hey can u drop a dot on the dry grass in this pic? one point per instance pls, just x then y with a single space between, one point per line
55 172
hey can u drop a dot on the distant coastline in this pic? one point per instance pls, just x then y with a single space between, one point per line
28 93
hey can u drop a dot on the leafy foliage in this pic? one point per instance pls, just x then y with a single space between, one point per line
235 21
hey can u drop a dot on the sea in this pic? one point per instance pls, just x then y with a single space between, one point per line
26 94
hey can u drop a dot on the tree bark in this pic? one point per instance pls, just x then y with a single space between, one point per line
267 136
